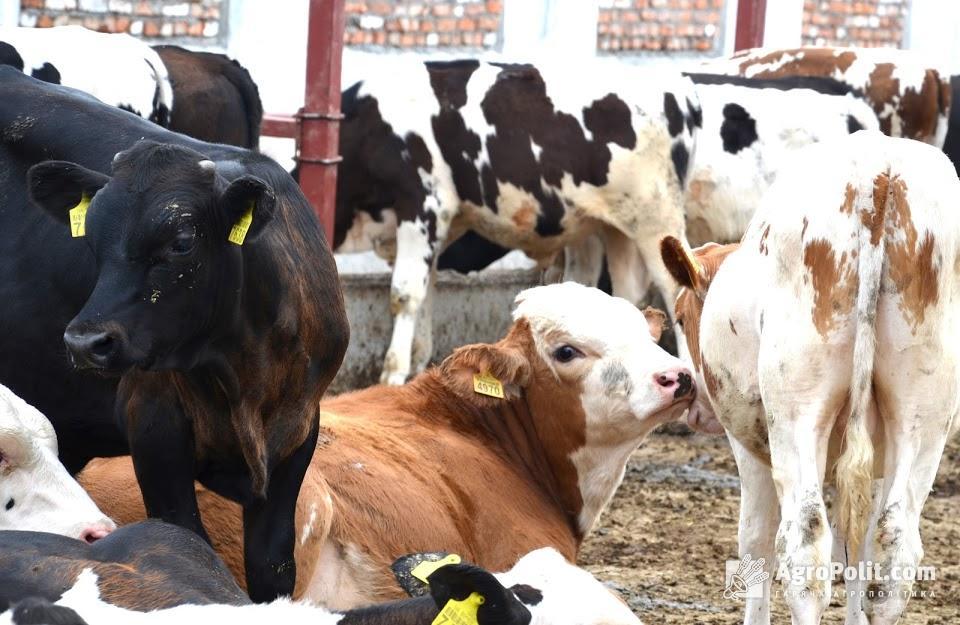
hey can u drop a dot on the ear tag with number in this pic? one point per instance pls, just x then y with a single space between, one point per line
78 217
460 612
486 384
239 231
426 568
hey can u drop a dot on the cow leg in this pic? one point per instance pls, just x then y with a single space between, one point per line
269 527
423 330
801 408
917 412
628 274
583 261
162 450
758 525
419 241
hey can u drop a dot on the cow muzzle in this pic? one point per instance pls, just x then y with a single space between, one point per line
101 347
676 384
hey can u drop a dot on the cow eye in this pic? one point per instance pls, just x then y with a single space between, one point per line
680 322
566 353
184 241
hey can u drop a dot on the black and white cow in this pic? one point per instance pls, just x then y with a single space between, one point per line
114 68
197 284
751 129
531 159
153 573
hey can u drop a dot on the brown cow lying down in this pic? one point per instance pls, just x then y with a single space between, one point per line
438 465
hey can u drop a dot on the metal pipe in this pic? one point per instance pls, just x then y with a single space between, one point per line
751 16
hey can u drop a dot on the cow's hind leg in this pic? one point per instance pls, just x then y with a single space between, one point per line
628 274
917 398
804 385
583 261
269 527
759 517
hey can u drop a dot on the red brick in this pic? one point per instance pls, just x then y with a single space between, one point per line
447 25
466 24
152 29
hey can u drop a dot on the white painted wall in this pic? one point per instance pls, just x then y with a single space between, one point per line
934 30
783 23
9 12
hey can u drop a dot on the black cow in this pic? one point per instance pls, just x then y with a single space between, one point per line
212 355
155 567
214 97
951 145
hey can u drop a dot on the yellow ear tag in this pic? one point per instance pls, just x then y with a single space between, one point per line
426 568
486 384
239 231
78 217
460 612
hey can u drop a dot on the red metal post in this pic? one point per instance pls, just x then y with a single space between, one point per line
751 15
319 118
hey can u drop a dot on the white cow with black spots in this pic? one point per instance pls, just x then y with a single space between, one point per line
534 159
114 68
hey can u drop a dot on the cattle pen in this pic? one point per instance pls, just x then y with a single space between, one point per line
760 191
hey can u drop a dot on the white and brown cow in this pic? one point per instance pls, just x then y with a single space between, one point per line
36 492
437 465
534 159
828 344
114 68
910 95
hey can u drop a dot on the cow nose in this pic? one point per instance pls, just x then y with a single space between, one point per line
94 533
677 382
92 348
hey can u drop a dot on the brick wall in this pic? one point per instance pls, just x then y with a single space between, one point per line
423 23
866 23
660 25
196 21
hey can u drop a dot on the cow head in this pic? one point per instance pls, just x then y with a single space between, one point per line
169 279
36 492
588 369
694 270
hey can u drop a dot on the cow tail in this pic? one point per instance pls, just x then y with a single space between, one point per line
854 468
240 78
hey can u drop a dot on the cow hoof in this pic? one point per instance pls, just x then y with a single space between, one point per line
393 379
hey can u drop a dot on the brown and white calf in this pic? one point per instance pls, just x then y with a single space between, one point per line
436 465
828 344
910 96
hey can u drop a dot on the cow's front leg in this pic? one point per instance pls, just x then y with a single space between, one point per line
162 448
269 527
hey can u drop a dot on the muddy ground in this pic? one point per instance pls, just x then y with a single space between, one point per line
664 539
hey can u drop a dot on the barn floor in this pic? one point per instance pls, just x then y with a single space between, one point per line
665 537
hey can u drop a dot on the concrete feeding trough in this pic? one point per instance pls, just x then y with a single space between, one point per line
473 308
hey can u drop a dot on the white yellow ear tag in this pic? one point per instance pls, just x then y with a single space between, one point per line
426 568
460 612
78 217
486 384
239 231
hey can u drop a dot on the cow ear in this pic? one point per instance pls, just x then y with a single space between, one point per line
656 320
460 581
16 449
248 203
682 264
58 186
476 372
